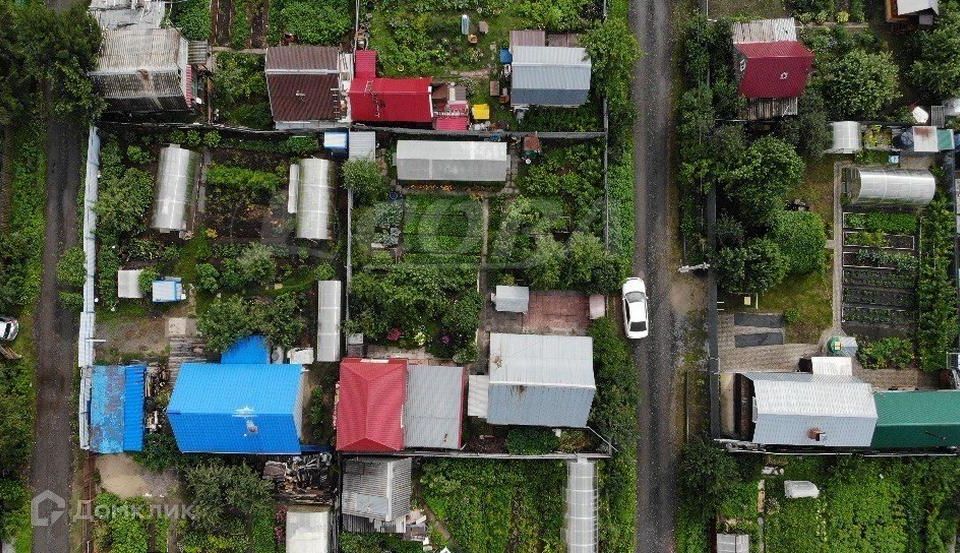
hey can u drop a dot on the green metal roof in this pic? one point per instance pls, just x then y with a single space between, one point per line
917 419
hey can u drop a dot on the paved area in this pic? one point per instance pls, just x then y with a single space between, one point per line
55 334
654 357
552 312
779 358
894 379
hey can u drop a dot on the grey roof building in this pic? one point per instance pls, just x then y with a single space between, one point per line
466 161
803 409
116 14
376 489
308 529
433 408
329 294
549 76
141 69
538 380
733 543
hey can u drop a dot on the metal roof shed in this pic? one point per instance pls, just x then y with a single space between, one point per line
116 408
316 181
303 83
428 160
512 299
878 186
539 380
433 408
581 517
812 410
733 543
128 283
176 174
550 76
329 293
917 420
846 137
376 488
308 529
253 409
362 145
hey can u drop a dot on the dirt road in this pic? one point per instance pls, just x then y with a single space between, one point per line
654 356
55 334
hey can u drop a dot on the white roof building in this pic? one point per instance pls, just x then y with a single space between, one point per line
467 161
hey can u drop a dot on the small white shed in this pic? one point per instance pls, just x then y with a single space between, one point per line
308 530
128 283
512 299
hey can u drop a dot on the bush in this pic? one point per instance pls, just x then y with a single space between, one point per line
707 473
859 85
208 278
192 17
256 264
808 131
123 202
753 268
591 268
531 441
886 353
280 320
936 69
547 262
315 22
159 453
363 177
325 271
301 145
936 291
71 301
224 493
225 321
138 155
801 237
613 49
242 185
145 282
71 270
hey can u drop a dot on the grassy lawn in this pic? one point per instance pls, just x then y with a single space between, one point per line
809 296
817 189
747 9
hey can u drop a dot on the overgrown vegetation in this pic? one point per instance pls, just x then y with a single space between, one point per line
936 288
192 17
241 90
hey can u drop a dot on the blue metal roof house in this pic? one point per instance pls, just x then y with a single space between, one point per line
242 408
116 408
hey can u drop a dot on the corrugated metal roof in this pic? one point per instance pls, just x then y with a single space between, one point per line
513 299
116 14
316 190
249 409
477 392
116 408
451 122
764 30
581 516
917 420
841 366
550 76
365 64
789 405
142 69
370 407
540 380
733 543
176 175
376 488
329 293
308 529
167 289
391 100
452 161
302 59
774 69
527 37
252 350
362 145
433 409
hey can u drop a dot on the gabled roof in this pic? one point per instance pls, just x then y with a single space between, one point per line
922 419
774 69
391 100
370 406
433 409
303 83
550 75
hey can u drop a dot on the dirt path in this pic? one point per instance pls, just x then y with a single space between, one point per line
656 233
55 334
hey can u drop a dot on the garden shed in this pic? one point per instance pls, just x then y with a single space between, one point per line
733 543
128 283
917 420
308 529
879 186
362 145
329 294
315 183
142 69
303 83
177 172
462 161
580 525
540 380
250 409
802 409
376 489
512 299
369 407
847 138
116 408
549 76
772 66
433 407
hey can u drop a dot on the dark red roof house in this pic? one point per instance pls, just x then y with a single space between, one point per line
303 83
370 405
384 100
773 69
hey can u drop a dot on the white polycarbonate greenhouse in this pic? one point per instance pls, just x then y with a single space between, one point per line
315 193
581 518
176 174
846 137
890 187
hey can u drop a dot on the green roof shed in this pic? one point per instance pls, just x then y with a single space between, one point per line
917 420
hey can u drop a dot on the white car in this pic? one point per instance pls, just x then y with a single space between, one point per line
635 312
9 328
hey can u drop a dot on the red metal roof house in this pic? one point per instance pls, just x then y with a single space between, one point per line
773 69
379 99
370 405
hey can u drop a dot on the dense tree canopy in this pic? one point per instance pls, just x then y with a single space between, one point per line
754 267
936 69
757 186
858 85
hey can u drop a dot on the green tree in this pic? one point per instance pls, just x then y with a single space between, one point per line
71 270
707 473
590 267
280 320
858 85
145 281
208 278
755 267
256 264
936 69
225 321
159 453
223 493
801 237
757 186
363 176
613 49
808 131
547 262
